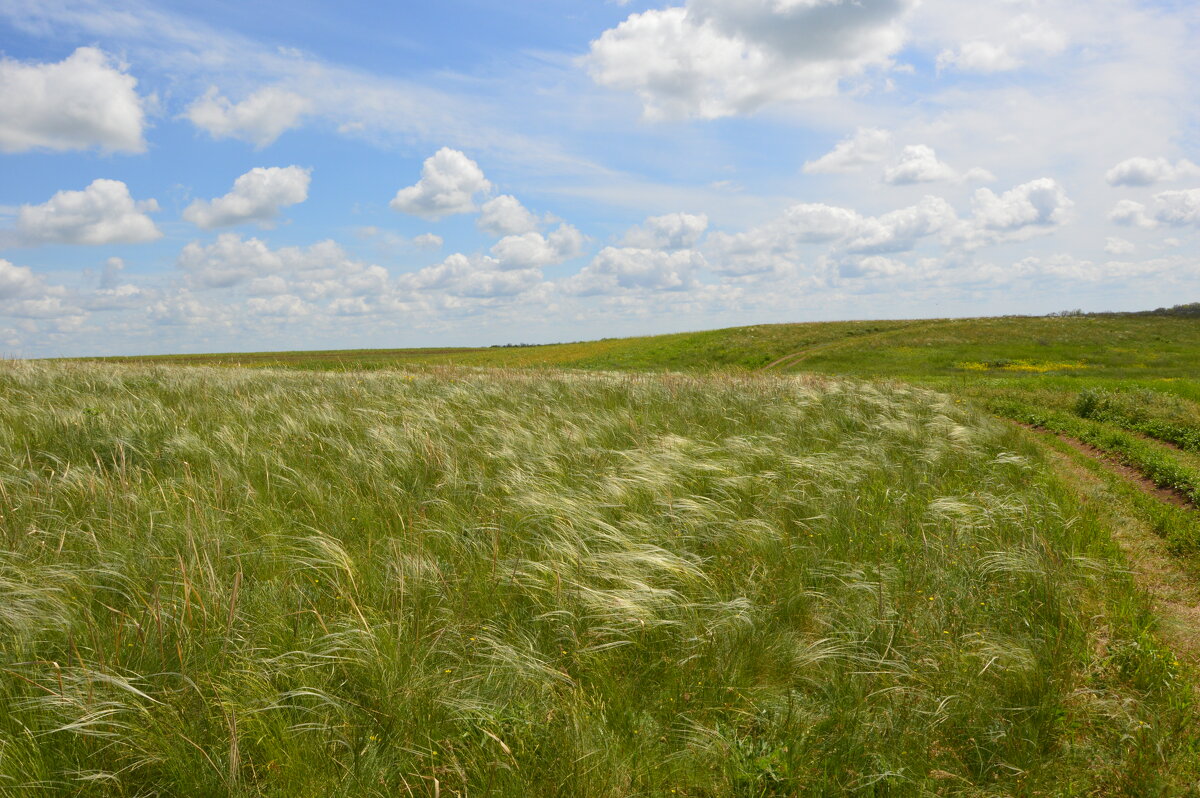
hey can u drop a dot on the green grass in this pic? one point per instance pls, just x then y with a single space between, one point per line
1141 367
1108 346
472 582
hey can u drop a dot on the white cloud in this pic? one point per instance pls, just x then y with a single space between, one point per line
630 268
1038 203
1023 38
506 216
533 250
1118 246
81 102
428 241
1148 171
320 272
899 230
1178 208
103 213
1172 208
778 244
918 164
448 185
282 306
1131 214
714 58
257 196
479 276
46 307
16 281
120 297
670 231
873 266
227 261
868 145
259 119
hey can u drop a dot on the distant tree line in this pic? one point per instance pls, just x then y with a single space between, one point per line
1190 310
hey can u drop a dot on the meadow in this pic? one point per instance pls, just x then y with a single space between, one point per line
1139 370
782 560
456 582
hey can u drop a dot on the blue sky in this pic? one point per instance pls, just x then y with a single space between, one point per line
226 176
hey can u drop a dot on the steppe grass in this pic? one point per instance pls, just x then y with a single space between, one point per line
452 582
1068 350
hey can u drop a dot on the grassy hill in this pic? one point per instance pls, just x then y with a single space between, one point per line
1127 346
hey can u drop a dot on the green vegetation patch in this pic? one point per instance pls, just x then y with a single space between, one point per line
253 583
1156 414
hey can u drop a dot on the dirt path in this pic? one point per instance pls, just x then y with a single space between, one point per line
1171 583
1131 474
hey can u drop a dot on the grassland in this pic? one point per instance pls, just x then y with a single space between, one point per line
777 560
1079 348
511 583
1140 371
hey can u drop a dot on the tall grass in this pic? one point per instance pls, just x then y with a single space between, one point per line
223 582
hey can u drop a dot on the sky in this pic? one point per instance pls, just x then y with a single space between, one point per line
218 176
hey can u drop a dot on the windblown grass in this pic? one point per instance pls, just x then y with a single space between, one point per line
459 582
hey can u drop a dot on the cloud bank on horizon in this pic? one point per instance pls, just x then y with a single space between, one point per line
179 180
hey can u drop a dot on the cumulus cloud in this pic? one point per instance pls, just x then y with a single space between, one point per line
872 266
16 281
257 196
899 230
533 250
1171 208
227 261
715 58
1131 214
102 213
670 231
281 306
1178 207
259 119
1038 203
630 268
506 216
46 307
1148 171
448 185
867 146
918 164
321 271
428 241
479 276
84 101
119 297
778 244
1023 38
25 295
